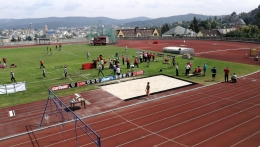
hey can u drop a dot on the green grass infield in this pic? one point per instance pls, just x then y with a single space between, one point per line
73 56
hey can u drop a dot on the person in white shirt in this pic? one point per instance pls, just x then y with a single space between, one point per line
88 55
234 78
12 77
65 72
187 68
118 73
43 72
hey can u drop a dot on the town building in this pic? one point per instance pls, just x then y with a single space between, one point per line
137 32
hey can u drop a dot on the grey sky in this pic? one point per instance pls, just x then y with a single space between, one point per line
120 9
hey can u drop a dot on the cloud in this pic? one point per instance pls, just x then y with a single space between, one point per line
132 4
43 3
71 6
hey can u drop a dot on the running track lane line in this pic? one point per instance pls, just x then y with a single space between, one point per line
127 106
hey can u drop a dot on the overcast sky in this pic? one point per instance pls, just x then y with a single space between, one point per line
121 9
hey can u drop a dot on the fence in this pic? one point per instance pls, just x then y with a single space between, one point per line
80 40
52 41
59 108
232 39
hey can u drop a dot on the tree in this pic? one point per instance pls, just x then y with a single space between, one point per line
210 19
204 25
257 19
165 28
194 25
29 38
13 39
233 14
214 24
74 34
247 21
215 18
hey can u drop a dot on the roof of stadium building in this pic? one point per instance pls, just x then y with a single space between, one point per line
180 31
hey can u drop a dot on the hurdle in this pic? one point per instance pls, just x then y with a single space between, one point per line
60 108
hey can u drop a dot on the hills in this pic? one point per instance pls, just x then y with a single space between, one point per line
55 22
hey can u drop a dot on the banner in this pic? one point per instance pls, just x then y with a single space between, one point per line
73 85
65 86
136 73
107 78
81 83
93 81
12 88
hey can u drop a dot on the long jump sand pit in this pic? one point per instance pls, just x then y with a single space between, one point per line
136 88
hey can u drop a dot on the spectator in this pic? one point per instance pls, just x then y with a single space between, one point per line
226 71
65 72
118 73
234 78
196 71
199 70
141 58
4 59
136 62
41 63
114 69
214 72
147 89
100 68
12 77
205 69
88 55
123 59
127 63
102 64
177 69
187 69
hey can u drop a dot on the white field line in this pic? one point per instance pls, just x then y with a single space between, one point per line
41 73
70 53
221 50
55 68
245 139
193 119
171 117
44 80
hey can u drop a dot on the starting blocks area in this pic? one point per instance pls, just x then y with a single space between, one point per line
136 88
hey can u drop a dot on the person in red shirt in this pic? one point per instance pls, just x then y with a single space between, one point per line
123 59
136 62
226 71
154 56
4 60
41 63
127 63
166 60
195 71
199 69
190 63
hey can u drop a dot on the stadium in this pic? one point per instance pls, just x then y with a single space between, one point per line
181 110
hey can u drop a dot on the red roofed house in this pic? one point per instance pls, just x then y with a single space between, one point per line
137 32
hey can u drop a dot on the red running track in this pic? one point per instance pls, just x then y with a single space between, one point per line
223 114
